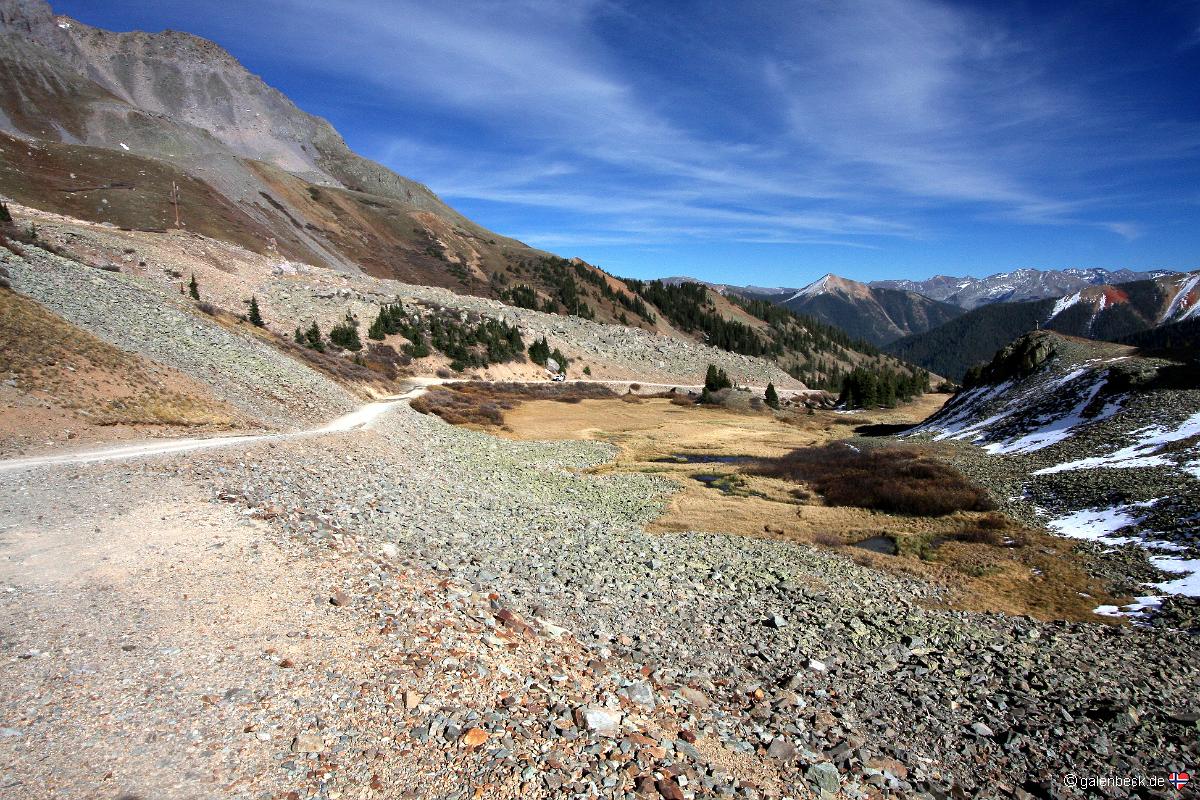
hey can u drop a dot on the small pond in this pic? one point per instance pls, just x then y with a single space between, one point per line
879 544
701 458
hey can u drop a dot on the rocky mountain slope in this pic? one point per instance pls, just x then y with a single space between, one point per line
865 312
873 315
155 131
1107 312
1098 441
1016 286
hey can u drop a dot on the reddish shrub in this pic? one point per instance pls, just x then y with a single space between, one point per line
901 480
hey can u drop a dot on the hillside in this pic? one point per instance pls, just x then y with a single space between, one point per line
1097 441
874 315
1110 313
167 131
807 347
140 130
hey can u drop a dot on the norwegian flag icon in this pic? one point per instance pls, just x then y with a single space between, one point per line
1178 779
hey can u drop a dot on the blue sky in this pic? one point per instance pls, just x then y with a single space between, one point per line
762 143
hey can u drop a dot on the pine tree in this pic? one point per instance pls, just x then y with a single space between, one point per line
312 338
378 329
539 351
771 397
5 216
194 288
255 316
716 379
345 334
298 336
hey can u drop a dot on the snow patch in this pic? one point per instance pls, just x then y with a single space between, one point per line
1142 453
1188 569
1063 304
1181 304
124 146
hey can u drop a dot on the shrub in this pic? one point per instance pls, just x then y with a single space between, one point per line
484 403
900 480
587 371
5 215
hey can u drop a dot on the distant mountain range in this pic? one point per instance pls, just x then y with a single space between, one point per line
1109 312
883 312
1021 284
875 315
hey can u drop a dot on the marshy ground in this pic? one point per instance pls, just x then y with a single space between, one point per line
733 478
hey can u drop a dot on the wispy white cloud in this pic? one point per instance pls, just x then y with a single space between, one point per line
865 117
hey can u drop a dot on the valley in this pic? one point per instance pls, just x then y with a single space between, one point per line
314 488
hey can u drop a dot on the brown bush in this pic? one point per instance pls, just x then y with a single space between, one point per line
683 400
994 522
485 403
978 536
904 481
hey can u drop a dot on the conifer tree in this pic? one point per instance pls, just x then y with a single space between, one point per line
255 315
771 397
194 288
312 338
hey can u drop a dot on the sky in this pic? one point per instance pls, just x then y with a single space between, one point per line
758 143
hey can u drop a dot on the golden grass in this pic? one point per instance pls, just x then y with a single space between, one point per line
964 551
65 366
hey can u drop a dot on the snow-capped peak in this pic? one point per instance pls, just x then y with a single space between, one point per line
827 283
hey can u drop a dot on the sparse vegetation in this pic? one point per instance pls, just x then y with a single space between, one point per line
900 480
485 403
312 338
345 334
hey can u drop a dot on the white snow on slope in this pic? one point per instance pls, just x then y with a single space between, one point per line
1063 304
1189 570
816 287
1179 304
1100 524
1096 524
1142 453
1053 430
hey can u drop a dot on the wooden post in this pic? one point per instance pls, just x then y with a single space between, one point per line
175 201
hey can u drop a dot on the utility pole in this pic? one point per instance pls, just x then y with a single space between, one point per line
174 200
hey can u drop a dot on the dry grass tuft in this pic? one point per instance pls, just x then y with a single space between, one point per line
49 358
899 480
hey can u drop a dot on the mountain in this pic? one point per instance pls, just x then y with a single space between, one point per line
1100 440
141 130
1107 312
1021 284
729 288
865 312
164 132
